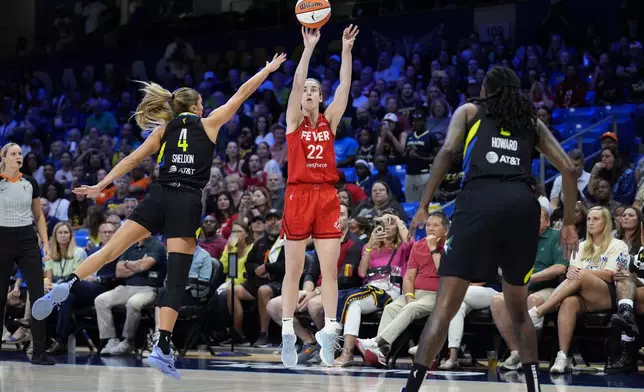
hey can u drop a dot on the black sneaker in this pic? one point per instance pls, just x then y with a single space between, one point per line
625 362
42 359
624 320
262 341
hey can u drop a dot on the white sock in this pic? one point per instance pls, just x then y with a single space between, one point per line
626 338
331 325
287 326
514 353
628 302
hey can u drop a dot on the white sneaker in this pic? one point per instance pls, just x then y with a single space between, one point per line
448 364
536 320
562 364
110 346
289 351
512 363
327 341
5 333
366 344
412 351
123 348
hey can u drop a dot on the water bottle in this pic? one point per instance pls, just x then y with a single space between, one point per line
71 344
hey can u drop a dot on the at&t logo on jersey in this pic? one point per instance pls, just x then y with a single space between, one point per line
493 158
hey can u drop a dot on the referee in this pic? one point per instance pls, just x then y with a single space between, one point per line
19 208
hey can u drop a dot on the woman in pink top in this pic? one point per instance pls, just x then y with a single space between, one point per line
383 264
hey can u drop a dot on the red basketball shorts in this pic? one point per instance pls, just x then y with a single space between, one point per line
311 210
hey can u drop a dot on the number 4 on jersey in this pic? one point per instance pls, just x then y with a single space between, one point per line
183 139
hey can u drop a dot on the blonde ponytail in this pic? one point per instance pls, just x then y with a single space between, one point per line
3 154
160 106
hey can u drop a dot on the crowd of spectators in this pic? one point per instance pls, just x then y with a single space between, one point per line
398 115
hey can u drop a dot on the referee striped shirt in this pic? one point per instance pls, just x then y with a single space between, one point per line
16 196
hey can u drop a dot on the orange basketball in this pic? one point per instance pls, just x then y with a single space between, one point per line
313 13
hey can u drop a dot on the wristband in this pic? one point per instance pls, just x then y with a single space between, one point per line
435 251
367 250
412 295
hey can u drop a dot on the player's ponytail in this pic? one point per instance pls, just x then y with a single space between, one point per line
3 154
159 106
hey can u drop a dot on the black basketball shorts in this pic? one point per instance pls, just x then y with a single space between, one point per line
175 212
495 224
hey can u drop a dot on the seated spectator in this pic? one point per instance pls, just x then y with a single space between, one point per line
583 177
581 212
234 186
265 270
345 146
139 182
226 213
143 269
420 285
356 193
630 292
367 146
363 172
113 218
64 174
104 121
232 160
261 130
619 177
17 298
84 293
51 221
589 283
345 198
64 255
549 265
571 92
257 227
361 227
78 210
260 204
381 200
275 184
198 287
630 229
122 186
268 164
253 174
58 205
278 150
383 261
209 240
391 141
383 175
310 300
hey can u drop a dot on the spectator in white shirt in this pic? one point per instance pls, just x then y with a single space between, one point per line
583 177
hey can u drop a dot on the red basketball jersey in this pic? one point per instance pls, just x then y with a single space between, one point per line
311 153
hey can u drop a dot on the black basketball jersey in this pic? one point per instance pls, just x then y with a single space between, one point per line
186 152
424 146
491 152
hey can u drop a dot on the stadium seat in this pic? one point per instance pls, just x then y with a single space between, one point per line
410 208
586 114
448 209
617 110
350 174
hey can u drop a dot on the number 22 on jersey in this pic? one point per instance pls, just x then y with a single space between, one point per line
315 151
183 139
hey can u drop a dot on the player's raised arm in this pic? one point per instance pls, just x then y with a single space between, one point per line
336 110
444 158
224 113
294 111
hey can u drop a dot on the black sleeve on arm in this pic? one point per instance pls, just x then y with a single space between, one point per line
255 259
354 254
35 187
278 268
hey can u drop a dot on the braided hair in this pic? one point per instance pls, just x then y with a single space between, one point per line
505 102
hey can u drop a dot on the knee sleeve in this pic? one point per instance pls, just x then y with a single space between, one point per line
177 278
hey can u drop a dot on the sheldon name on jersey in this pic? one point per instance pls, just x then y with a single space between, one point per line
183 158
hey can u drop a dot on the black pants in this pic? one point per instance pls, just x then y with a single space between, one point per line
19 245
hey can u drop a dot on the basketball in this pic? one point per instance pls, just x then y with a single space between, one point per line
313 13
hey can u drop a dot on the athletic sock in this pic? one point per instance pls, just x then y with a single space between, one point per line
164 341
287 326
72 279
531 371
628 302
626 338
331 325
416 377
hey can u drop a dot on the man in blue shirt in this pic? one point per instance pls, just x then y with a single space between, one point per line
143 269
345 147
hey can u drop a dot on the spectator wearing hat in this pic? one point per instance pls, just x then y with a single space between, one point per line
420 149
608 139
392 140
363 171
265 267
257 227
345 147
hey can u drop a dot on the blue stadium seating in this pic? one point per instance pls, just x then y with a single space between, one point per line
410 208
350 174
625 110
81 236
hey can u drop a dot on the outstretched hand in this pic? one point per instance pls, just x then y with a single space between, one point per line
90 191
276 63
349 37
419 219
311 37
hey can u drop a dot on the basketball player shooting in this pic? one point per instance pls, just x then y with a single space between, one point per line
496 218
312 207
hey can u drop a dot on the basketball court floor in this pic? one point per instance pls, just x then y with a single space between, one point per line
85 372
